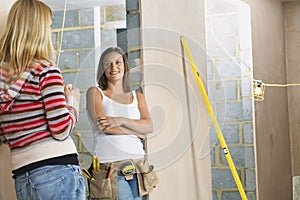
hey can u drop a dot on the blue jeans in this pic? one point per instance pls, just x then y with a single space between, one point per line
55 182
128 190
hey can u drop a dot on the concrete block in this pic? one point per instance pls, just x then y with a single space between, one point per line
222 90
246 87
132 5
134 37
249 157
248 133
136 77
72 19
212 157
57 19
87 59
247 110
250 180
230 195
133 21
222 178
214 195
229 112
87 17
80 79
227 69
132 56
108 38
237 155
68 60
78 39
229 131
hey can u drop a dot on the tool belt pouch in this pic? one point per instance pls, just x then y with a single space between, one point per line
102 187
147 179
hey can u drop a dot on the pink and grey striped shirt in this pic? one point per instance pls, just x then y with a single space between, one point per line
35 120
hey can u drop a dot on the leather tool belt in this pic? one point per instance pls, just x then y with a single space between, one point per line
102 177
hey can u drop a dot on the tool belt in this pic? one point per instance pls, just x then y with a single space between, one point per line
102 177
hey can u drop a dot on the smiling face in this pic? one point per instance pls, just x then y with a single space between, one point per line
114 66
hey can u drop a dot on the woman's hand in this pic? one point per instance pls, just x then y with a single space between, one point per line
72 96
107 122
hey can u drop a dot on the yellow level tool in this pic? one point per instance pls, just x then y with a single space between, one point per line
214 119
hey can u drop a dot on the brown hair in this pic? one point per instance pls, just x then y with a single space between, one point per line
27 37
101 77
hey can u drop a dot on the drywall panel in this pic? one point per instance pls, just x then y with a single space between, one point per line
6 182
274 176
292 42
7 190
179 146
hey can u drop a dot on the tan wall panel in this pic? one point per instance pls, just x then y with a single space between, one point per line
4 9
179 147
292 42
7 190
274 175
6 182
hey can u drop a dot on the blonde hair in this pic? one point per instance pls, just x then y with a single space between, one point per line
27 37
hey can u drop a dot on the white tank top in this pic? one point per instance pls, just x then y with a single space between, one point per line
111 148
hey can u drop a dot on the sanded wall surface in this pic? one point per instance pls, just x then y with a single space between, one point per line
179 147
274 175
292 42
6 182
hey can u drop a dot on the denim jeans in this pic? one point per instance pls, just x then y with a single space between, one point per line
55 182
128 190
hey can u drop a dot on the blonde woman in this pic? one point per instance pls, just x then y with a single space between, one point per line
37 112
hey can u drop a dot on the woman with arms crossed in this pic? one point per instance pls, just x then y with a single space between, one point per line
37 115
120 118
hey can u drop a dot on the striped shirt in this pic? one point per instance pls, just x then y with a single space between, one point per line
35 120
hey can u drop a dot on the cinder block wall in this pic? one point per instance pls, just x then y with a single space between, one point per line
79 64
229 88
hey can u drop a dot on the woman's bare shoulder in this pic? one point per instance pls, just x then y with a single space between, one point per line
94 90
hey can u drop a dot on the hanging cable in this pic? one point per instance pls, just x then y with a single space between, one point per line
62 33
258 90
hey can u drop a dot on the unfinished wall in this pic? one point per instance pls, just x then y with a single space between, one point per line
292 42
179 116
274 175
7 190
229 77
